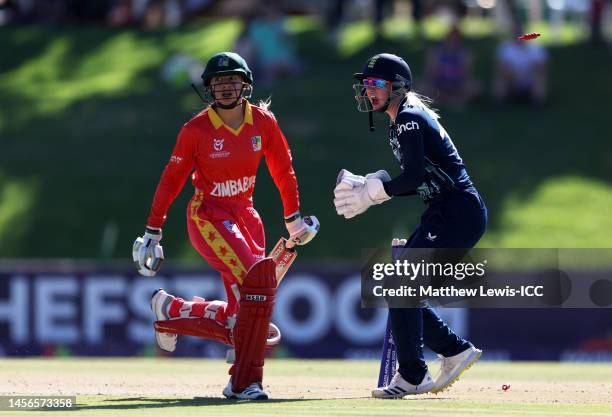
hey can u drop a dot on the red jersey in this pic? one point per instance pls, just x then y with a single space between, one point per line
226 161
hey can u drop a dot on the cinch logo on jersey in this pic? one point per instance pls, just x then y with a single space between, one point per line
231 188
411 125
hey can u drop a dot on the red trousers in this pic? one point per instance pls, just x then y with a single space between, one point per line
229 235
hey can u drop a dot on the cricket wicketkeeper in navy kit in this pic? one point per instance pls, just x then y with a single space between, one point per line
455 217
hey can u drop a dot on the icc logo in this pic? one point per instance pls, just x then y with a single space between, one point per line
218 144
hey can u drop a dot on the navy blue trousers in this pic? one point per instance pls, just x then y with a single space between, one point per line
457 221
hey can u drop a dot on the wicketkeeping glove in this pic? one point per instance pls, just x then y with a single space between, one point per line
147 253
354 194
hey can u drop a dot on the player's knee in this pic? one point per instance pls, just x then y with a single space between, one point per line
262 275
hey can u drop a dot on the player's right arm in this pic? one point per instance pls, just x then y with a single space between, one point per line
147 253
173 178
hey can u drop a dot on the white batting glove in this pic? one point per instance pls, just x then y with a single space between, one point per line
301 229
147 253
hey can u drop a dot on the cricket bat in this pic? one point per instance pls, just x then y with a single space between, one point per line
283 257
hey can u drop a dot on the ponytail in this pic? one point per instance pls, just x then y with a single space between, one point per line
265 104
422 102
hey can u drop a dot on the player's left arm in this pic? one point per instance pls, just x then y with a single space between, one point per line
279 161
412 142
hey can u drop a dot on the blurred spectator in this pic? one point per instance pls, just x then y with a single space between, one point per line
245 46
379 16
520 72
173 13
597 8
274 50
335 11
154 15
150 13
382 7
448 72
8 9
120 14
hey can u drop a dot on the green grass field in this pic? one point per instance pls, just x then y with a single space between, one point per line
179 387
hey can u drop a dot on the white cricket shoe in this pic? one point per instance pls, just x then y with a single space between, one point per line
159 304
399 387
453 366
252 392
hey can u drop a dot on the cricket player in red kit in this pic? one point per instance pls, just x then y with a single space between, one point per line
221 147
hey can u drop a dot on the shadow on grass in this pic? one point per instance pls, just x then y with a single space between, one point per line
145 402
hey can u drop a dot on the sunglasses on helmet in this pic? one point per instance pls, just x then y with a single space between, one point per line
375 82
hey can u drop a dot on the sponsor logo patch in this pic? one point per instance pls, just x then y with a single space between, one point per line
229 225
411 125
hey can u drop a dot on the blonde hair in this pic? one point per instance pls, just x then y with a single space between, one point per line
422 102
265 104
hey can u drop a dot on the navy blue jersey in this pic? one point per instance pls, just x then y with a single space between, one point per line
431 165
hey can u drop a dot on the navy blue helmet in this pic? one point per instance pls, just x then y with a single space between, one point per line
388 67
382 71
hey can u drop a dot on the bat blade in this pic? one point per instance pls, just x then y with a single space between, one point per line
283 257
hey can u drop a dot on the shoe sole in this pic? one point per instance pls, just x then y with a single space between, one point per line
236 397
399 396
391 397
158 335
471 362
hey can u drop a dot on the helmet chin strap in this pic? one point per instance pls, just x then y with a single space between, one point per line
227 106
381 110
384 107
